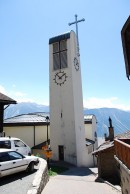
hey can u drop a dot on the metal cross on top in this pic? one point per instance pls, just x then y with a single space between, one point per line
76 22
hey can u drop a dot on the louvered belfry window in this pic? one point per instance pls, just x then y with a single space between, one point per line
60 55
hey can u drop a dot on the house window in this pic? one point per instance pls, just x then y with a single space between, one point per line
60 55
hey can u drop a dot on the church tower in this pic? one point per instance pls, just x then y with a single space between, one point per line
67 133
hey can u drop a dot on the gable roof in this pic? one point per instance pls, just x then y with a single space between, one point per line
6 100
103 147
109 144
27 120
123 135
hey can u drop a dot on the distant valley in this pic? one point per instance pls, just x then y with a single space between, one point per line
120 118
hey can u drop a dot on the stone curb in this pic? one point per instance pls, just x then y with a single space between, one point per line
41 178
103 181
119 190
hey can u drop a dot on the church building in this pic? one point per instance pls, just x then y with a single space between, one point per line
67 131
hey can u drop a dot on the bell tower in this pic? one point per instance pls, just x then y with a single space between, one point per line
67 133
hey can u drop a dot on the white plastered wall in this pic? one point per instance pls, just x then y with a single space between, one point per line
26 133
69 129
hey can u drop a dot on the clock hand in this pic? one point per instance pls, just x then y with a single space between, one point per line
58 76
62 76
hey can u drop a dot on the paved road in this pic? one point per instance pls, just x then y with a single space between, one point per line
17 183
77 181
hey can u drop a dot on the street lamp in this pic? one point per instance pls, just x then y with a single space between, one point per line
47 122
48 151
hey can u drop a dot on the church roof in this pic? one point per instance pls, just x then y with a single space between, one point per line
125 34
5 100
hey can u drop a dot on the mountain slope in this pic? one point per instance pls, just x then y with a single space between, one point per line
24 108
120 118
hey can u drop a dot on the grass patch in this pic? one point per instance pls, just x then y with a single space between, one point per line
54 170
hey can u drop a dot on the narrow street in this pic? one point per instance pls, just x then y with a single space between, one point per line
77 181
18 183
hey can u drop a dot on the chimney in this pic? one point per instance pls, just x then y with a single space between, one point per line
111 130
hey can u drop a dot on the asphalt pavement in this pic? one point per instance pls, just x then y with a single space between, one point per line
78 181
16 183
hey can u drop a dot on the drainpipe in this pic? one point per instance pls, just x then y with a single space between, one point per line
1 118
34 135
93 156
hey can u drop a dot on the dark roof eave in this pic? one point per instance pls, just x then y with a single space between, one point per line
4 100
59 38
25 124
39 146
103 150
88 122
125 46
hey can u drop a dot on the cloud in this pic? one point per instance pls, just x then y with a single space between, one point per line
20 94
24 100
16 95
2 90
93 102
44 102
22 97
112 102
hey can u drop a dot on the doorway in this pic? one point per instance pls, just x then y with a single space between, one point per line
61 152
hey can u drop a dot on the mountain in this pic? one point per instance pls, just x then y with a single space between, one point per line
24 108
120 118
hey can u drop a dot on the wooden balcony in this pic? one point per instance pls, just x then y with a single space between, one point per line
122 150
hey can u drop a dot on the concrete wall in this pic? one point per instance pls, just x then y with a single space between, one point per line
40 180
90 129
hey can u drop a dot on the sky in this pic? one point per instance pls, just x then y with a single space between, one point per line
25 29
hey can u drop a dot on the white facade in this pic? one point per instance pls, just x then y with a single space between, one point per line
67 132
91 135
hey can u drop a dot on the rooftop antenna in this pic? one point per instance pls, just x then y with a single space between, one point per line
76 22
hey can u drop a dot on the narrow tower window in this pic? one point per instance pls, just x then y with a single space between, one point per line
60 55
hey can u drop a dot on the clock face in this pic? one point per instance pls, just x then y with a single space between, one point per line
60 78
76 64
